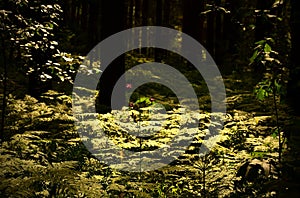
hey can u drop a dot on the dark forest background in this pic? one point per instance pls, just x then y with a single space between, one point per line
255 45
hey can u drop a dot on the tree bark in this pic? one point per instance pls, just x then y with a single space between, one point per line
112 22
192 22
293 92
158 53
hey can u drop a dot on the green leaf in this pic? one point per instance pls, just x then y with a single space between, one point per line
254 56
277 86
267 48
51 25
261 94
275 133
260 42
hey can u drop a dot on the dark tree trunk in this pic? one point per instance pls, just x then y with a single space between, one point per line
231 35
192 21
84 15
112 22
166 15
130 13
94 24
138 10
145 16
159 9
293 92
211 33
219 43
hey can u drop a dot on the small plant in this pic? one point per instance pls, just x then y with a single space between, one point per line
273 81
142 102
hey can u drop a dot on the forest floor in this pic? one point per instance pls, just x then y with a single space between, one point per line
44 156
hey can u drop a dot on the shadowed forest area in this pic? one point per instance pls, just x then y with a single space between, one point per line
44 153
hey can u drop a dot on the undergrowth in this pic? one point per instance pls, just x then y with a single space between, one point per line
43 156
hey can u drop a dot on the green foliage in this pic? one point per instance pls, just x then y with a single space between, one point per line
42 155
274 82
29 114
50 157
142 102
30 30
263 90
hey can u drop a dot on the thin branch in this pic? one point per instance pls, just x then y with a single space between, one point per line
277 124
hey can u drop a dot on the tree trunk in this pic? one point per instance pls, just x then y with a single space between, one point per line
219 43
112 22
293 92
192 22
211 33
166 14
159 9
